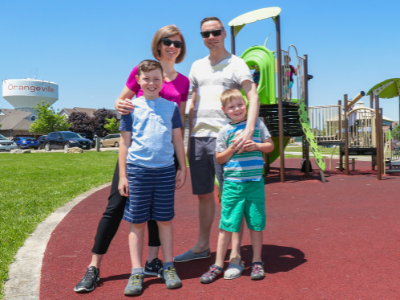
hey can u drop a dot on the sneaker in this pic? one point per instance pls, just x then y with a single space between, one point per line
212 274
89 281
153 268
257 271
171 278
135 285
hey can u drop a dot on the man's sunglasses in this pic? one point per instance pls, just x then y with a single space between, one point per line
168 43
206 34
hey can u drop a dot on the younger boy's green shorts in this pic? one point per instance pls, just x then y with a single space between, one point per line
243 198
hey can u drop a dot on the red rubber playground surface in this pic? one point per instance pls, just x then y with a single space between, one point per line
333 240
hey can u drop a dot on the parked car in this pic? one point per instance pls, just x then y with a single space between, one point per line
64 140
6 144
26 142
110 140
41 140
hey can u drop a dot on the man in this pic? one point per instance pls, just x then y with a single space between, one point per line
209 77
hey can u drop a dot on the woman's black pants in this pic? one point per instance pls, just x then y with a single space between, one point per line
112 217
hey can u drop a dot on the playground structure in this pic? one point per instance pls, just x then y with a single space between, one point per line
357 130
284 116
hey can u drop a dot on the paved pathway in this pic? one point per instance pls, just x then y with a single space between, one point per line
333 240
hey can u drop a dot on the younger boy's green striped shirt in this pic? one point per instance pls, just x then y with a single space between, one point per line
246 166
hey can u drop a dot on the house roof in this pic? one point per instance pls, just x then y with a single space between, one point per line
89 111
67 110
15 120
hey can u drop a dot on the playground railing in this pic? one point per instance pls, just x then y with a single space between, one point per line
362 128
326 122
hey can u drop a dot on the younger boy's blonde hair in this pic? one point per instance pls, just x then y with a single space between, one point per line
230 94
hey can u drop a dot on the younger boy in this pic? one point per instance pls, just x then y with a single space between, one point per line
243 191
149 136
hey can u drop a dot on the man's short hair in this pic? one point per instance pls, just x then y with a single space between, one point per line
212 19
148 65
230 94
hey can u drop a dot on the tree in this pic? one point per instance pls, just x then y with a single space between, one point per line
396 132
80 122
100 120
112 126
48 120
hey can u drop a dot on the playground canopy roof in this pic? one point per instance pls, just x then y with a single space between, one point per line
386 89
253 16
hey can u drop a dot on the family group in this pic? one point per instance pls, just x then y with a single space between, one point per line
226 140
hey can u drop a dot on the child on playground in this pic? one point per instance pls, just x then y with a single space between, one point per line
289 70
149 136
243 190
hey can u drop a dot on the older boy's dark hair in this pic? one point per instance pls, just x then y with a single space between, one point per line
148 65
212 19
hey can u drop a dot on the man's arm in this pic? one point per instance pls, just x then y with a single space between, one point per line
180 154
191 116
123 104
124 144
250 90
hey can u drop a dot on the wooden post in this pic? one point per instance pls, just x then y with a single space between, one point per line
340 136
280 105
371 100
382 149
307 146
378 138
346 135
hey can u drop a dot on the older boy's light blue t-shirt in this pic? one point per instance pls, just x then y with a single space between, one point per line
151 124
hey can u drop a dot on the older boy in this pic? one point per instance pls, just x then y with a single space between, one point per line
149 136
243 192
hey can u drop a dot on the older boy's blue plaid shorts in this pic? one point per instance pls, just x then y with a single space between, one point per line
151 194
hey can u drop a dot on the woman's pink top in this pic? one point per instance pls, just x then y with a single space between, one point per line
176 90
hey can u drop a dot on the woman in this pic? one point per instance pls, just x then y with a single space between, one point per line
168 46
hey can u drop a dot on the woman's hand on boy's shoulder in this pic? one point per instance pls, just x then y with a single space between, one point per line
124 107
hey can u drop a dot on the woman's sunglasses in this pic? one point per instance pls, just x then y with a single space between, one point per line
168 43
206 34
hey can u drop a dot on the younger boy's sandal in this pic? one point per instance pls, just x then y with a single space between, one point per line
234 271
212 274
257 271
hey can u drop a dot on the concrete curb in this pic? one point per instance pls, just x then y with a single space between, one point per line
25 272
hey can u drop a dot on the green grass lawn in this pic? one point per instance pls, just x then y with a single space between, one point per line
327 151
35 185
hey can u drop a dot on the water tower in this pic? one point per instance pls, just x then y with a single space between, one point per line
24 94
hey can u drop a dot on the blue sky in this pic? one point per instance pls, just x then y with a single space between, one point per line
89 47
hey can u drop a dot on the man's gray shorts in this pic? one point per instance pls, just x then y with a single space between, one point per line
203 165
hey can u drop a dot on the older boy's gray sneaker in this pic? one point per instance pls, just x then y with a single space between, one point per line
135 285
189 255
171 278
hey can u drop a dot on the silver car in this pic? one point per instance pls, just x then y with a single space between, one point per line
111 140
6 144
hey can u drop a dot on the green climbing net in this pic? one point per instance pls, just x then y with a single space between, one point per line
305 123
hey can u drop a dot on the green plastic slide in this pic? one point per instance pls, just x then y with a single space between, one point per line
265 60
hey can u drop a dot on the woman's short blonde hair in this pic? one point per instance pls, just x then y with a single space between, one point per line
230 94
166 32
